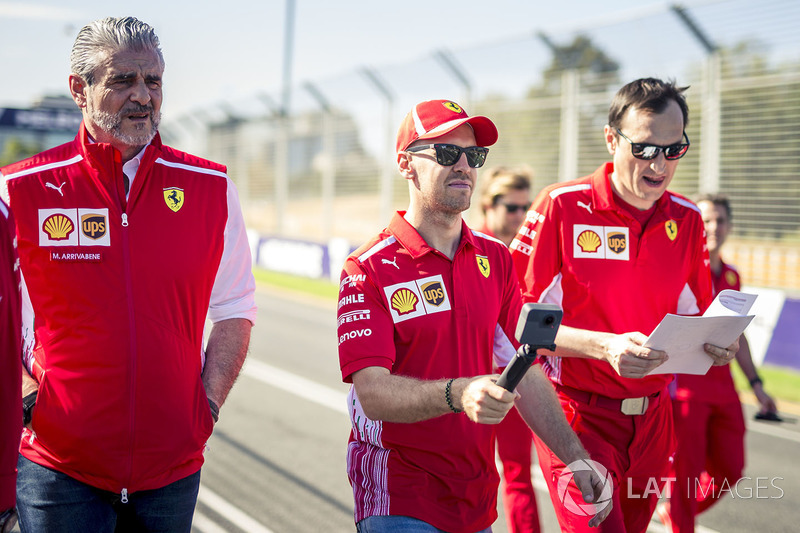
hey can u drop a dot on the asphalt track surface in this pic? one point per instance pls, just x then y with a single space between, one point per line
276 461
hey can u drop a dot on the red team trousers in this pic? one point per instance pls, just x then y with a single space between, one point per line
634 448
709 457
515 448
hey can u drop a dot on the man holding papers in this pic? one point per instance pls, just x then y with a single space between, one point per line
708 416
618 252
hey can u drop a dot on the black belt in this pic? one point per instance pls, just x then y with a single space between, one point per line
627 406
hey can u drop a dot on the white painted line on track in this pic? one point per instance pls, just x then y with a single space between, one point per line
232 514
305 388
773 431
337 400
203 524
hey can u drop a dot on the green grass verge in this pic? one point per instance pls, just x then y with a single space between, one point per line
780 383
315 287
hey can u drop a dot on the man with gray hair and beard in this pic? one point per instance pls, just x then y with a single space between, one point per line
126 246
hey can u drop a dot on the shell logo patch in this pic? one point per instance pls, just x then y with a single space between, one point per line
731 278
412 299
617 242
173 197
404 301
454 107
483 265
589 241
672 229
58 227
600 242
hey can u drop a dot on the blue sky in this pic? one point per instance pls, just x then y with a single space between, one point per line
224 50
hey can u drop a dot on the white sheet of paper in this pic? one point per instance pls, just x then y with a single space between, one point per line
683 337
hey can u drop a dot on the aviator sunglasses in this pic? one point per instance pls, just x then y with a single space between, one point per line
448 154
650 151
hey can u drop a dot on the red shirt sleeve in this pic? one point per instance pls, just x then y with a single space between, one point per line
536 250
364 325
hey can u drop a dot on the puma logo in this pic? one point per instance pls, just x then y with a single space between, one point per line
48 184
585 206
392 262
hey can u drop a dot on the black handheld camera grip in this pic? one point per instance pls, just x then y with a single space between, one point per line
516 369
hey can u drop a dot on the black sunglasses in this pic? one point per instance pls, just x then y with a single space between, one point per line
448 154
513 208
650 151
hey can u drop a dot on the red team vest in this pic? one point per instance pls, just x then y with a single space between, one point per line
120 292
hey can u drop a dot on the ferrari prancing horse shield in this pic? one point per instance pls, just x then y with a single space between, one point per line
173 198
483 265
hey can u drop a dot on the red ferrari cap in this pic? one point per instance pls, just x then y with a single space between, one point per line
434 118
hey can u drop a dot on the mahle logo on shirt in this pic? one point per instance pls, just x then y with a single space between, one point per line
405 298
600 242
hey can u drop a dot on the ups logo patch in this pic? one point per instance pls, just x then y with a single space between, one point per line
433 293
617 242
93 225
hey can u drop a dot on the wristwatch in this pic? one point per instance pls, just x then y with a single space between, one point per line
27 407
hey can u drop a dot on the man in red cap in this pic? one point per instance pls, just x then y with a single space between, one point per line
422 308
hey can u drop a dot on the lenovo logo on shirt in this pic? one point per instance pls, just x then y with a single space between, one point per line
600 242
420 297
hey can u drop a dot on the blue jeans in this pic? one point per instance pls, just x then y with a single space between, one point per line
399 524
49 501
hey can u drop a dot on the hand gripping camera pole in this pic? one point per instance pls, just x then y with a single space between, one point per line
536 328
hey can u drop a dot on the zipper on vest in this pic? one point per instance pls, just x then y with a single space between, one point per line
126 260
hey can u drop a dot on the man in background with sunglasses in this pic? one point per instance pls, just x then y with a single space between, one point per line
617 252
422 307
505 197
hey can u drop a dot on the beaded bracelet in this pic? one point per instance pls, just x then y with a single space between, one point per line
214 410
449 398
